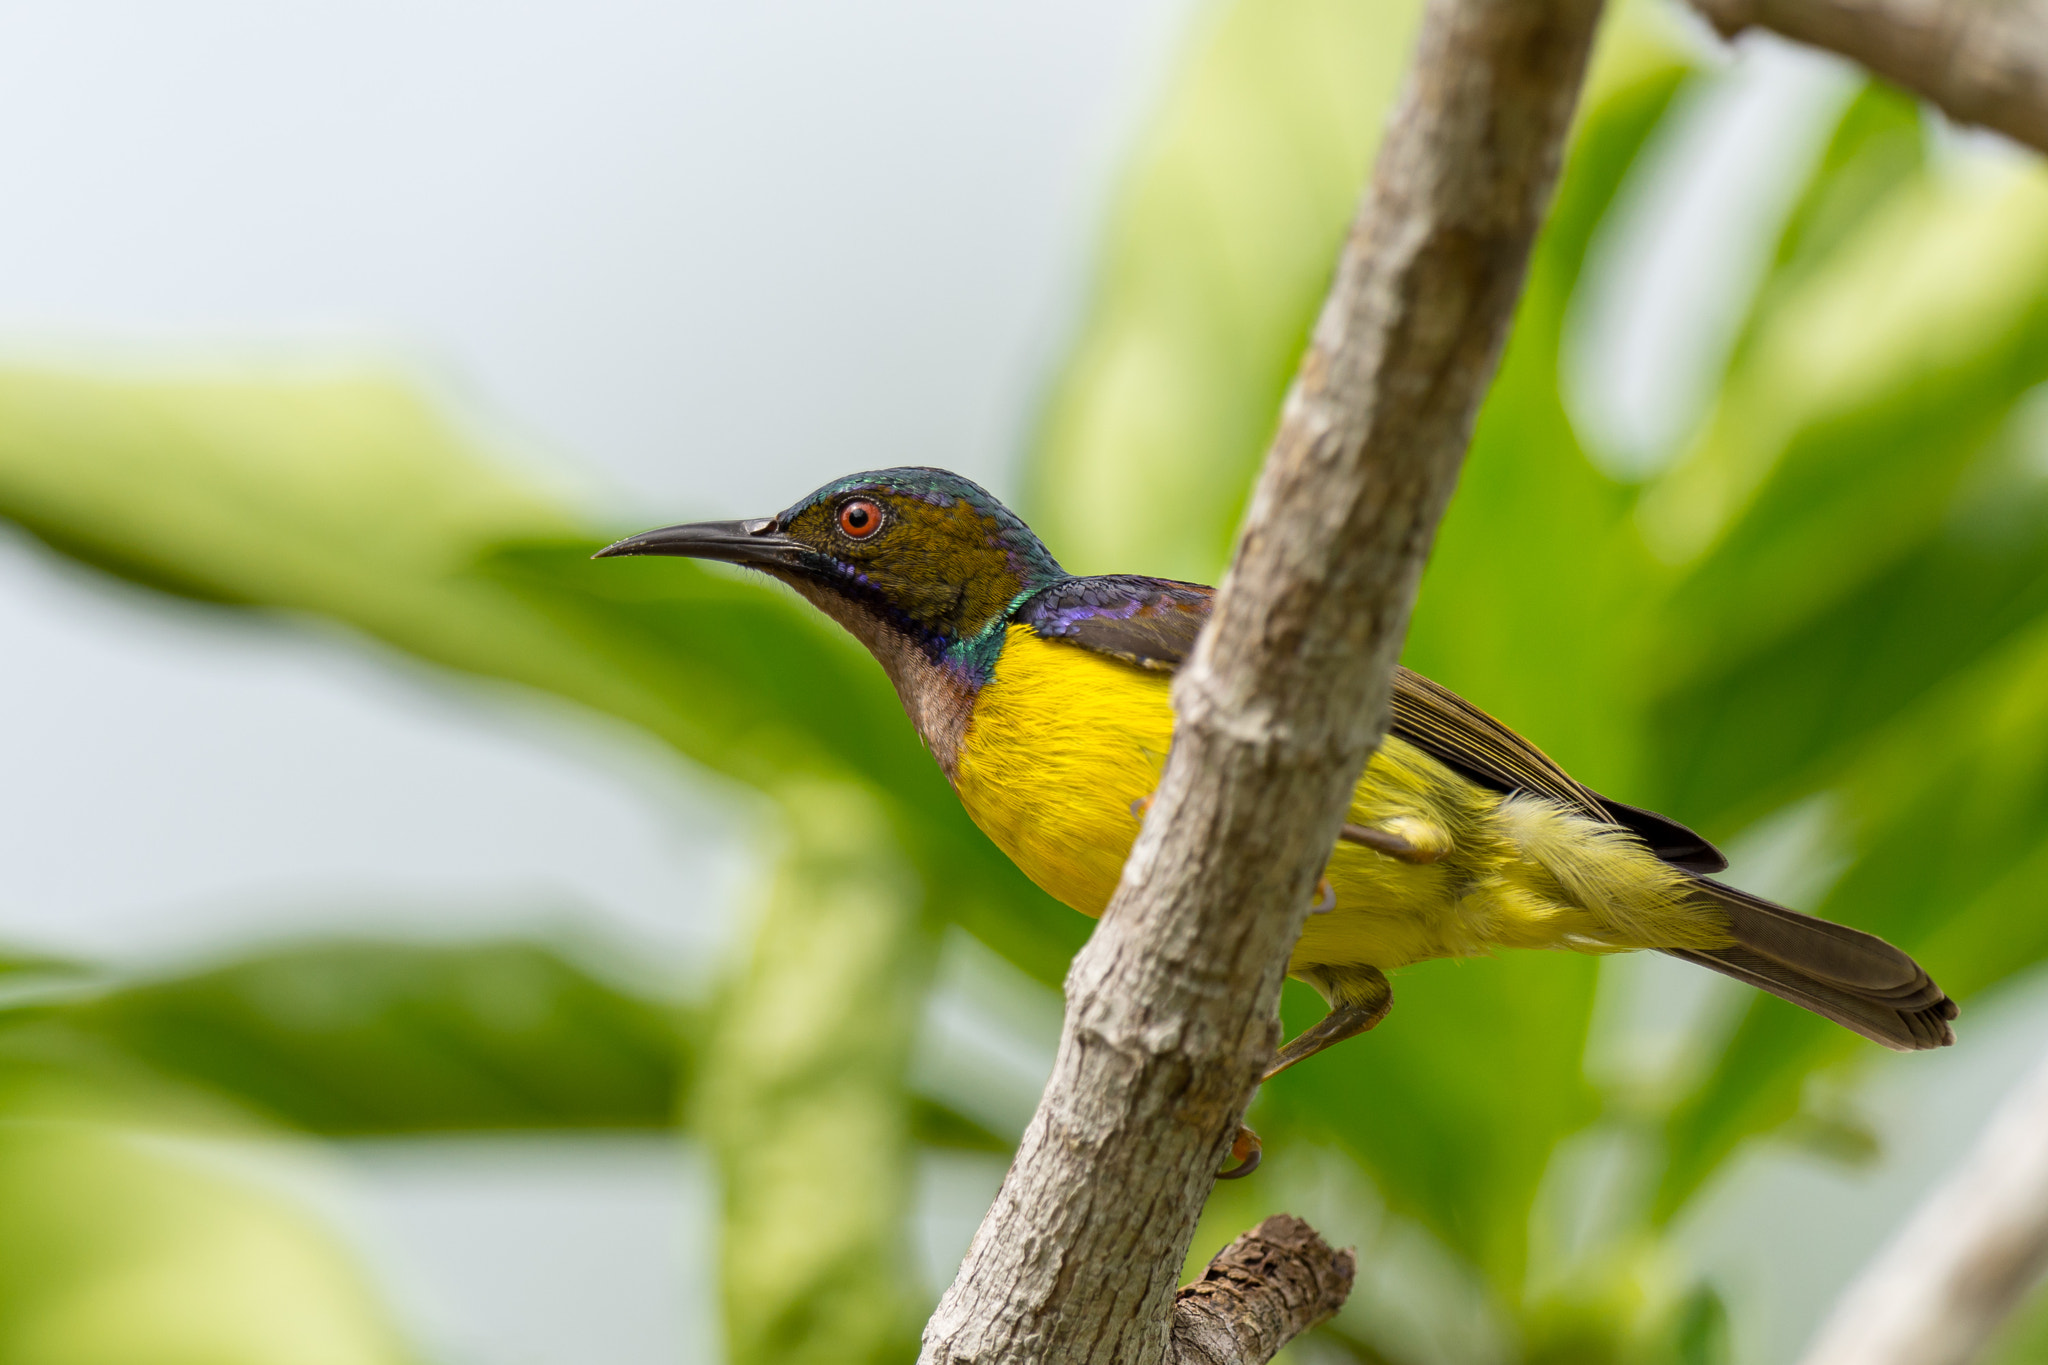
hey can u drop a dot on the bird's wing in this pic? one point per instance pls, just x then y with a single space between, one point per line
1455 732
1452 730
1152 622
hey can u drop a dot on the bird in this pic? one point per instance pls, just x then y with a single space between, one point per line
1044 697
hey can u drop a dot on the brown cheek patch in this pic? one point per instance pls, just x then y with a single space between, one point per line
968 554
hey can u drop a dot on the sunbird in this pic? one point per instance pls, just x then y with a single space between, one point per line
1044 698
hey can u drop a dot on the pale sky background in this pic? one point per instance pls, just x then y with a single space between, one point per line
706 256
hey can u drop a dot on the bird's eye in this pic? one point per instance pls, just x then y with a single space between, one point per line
860 519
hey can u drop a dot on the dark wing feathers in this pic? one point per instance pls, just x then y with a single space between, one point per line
1447 727
1150 622
1668 839
1453 731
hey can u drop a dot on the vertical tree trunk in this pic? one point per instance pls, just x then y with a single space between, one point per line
1171 1006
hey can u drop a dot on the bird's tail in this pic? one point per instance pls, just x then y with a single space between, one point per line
1856 979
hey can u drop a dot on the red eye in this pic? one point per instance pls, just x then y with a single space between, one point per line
860 519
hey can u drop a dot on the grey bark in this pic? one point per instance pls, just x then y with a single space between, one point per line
1938 1293
1171 1007
1979 61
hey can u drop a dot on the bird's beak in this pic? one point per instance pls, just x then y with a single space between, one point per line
735 542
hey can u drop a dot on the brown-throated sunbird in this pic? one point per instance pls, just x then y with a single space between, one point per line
1044 698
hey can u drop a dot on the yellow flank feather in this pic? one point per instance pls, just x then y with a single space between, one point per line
1063 740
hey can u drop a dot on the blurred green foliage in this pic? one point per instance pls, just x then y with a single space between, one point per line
113 1251
379 1038
1832 599
126 1233
804 1101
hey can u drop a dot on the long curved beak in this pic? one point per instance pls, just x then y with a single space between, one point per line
735 542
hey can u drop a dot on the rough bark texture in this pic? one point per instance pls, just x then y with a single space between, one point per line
1171 1007
1940 1290
1262 1291
1980 61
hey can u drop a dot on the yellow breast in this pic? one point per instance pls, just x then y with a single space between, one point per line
1064 740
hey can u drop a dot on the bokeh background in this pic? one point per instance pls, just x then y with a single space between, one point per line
418 944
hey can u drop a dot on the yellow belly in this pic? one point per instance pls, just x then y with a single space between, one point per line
1064 740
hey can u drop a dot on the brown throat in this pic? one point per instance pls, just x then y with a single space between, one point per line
938 700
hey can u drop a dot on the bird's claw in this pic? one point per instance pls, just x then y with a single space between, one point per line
1326 897
1140 806
1246 1151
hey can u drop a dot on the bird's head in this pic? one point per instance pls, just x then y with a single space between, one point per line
909 560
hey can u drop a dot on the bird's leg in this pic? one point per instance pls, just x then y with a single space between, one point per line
1387 842
1359 997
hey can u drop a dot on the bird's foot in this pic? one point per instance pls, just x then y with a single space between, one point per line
1246 1151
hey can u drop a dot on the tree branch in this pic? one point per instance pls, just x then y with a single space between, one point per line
1171 1007
1979 61
1262 1291
1940 1290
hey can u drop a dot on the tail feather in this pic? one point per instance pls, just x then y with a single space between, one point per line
1856 979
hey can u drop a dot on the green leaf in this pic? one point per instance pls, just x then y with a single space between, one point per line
2025 1338
1702 1335
1878 147
360 1038
1933 307
805 1099
935 1124
1866 555
327 491
1218 256
112 1249
342 494
1865 614
1759 729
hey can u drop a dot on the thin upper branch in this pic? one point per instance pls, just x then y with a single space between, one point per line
1979 61
1940 1290
1171 1007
